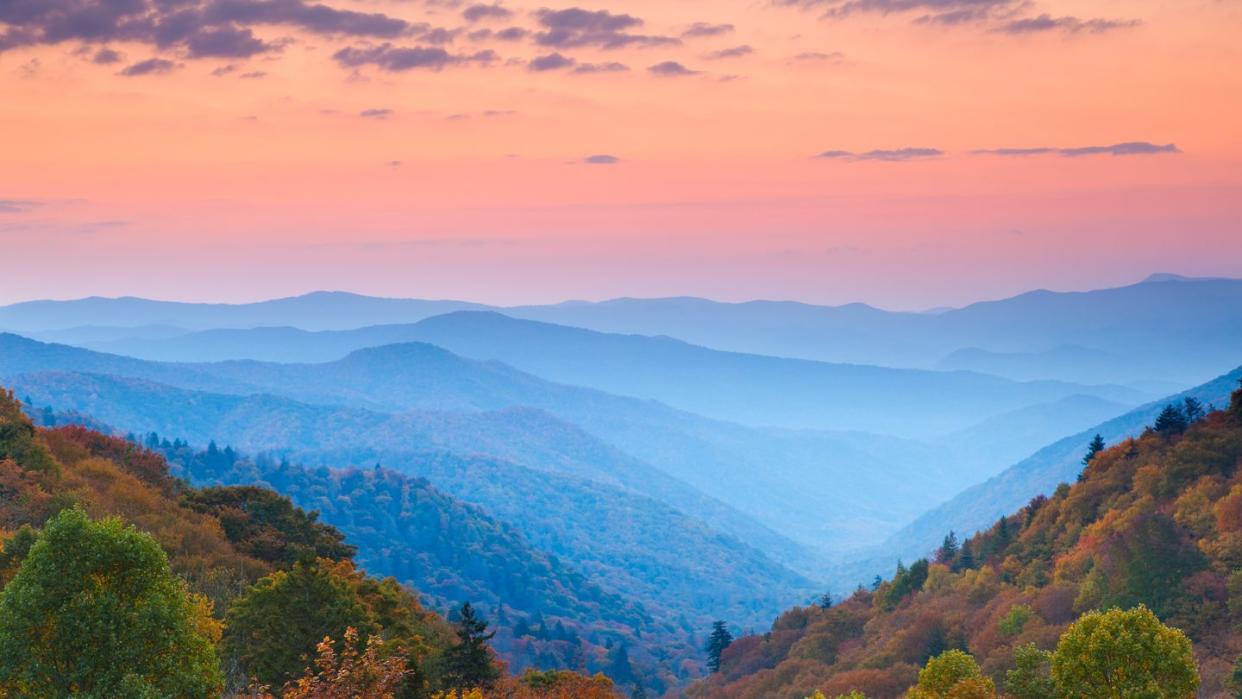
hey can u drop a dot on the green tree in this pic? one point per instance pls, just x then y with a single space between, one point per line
953 673
948 549
94 611
273 629
1171 421
1126 654
716 644
469 665
19 440
1095 447
1193 409
1031 676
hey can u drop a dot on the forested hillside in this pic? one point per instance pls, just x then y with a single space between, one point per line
119 580
1154 521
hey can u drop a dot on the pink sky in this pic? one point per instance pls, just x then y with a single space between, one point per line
469 178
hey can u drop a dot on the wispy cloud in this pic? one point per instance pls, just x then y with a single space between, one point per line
706 29
375 113
151 66
1069 24
734 52
601 160
1116 149
894 155
399 58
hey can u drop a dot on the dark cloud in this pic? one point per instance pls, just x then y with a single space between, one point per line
397 58
671 69
601 160
479 13
552 61
701 29
225 42
735 52
151 66
106 56
610 67
895 155
575 27
1118 149
224 70
439 35
512 34
375 113
200 28
253 75
1072 25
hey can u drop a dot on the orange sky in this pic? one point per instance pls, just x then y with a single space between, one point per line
472 180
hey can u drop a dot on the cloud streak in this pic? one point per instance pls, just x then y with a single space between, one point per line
1116 149
892 156
398 59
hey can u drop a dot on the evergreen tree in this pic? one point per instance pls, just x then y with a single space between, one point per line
720 639
468 665
1096 446
1171 421
948 550
825 601
966 560
1193 408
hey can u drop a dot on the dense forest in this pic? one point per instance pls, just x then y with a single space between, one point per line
120 580
1097 591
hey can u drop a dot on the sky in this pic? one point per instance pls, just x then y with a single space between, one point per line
905 153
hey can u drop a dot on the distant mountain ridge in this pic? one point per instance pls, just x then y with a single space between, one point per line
1200 322
750 389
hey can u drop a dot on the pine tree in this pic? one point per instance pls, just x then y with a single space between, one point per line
1171 421
719 641
948 549
825 601
468 665
1096 446
966 561
1193 408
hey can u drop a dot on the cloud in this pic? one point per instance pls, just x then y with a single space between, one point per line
610 67
375 113
16 206
106 56
819 57
601 160
151 66
396 58
1116 149
895 155
702 29
671 69
199 28
961 8
735 52
479 13
574 27
512 34
225 42
552 61
1068 24
253 75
